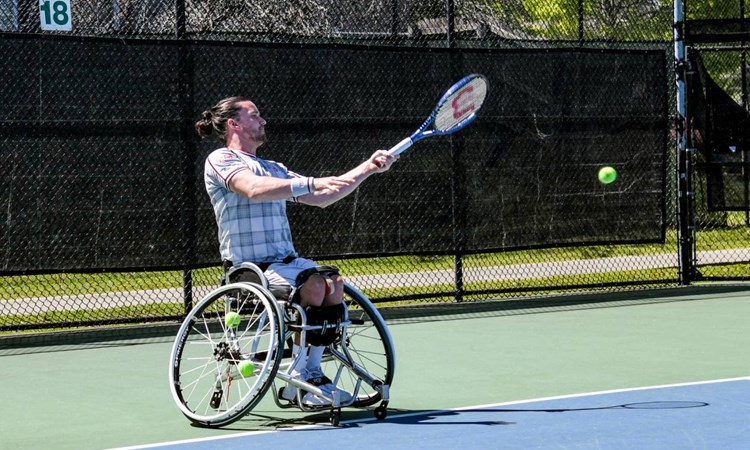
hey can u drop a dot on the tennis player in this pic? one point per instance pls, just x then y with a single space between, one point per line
249 196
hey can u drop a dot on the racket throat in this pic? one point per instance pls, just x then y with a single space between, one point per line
401 146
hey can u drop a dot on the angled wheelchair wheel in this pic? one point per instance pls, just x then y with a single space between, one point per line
226 354
364 359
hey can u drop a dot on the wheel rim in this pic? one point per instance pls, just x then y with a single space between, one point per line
205 365
370 347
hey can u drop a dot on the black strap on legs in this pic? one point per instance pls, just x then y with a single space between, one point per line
326 271
329 318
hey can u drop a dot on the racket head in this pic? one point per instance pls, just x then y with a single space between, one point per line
460 104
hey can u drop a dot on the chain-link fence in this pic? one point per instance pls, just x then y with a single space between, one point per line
717 39
106 220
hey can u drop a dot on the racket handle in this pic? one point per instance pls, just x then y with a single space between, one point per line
401 146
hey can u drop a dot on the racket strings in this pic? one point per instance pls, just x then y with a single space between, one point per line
461 104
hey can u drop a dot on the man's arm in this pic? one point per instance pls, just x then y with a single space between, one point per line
260 188
329 190
263 188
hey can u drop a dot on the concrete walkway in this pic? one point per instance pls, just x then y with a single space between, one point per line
546 269
36 305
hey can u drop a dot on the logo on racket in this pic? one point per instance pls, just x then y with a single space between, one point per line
464 102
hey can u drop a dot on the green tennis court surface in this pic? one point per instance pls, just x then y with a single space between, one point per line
114 393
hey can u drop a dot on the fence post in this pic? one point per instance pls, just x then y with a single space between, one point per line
185 101
457 195
683 129
394 19
743 76
580 23
187 290
451 18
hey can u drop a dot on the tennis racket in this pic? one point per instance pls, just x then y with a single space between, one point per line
457 108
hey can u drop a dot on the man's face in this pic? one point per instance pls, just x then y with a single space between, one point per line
250 124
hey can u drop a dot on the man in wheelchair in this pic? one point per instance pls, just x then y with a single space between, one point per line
249 196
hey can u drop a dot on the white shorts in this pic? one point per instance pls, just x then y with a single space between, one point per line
281 274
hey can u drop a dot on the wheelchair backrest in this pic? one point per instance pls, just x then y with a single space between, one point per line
250 273
245 272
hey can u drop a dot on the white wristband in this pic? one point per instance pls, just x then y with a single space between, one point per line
302 186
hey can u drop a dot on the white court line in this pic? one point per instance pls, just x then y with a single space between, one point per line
437 411
562 397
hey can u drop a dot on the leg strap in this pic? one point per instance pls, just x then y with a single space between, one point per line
326 271
330 318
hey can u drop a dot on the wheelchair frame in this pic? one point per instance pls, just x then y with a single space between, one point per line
222 365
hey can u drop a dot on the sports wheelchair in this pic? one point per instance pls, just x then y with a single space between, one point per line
236 344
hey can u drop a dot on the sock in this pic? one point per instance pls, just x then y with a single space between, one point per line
289 390
314 356
302 362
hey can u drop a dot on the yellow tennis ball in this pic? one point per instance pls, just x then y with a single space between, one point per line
607 175
246 368
232 319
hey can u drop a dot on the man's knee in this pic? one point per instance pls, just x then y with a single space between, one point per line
334 290
319 286
338 283
312 291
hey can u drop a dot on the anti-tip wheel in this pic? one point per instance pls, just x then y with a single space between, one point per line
336 417
381 412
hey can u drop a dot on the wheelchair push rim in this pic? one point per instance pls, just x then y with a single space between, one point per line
226 354
363 360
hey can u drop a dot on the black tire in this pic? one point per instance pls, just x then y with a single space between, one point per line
381 412
366 348
203 372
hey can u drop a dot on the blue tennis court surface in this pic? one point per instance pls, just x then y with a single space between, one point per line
712 415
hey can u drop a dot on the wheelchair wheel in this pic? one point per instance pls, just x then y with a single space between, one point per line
226 354
365 352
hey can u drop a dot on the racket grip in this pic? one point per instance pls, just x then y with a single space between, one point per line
401 146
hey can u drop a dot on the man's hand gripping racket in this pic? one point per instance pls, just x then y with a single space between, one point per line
457 108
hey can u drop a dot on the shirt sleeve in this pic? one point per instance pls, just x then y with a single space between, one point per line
223 164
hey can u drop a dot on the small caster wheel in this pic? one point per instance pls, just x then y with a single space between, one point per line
381 412
216 399
336 417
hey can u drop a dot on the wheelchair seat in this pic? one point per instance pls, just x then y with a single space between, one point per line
250 273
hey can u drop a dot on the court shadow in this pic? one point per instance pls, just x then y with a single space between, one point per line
432 417
256 421
359 418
